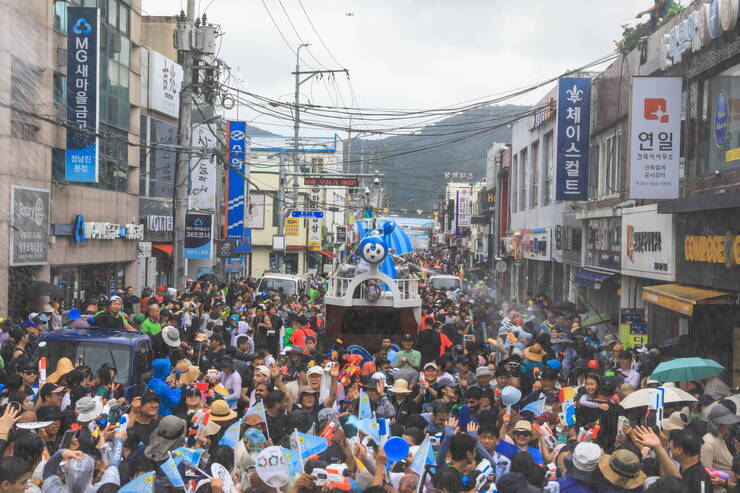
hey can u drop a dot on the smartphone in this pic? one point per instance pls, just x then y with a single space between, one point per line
69 435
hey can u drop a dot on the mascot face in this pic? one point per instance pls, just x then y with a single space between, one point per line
373 250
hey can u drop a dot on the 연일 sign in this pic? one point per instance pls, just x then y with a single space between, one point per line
573 138
198 235
655 137
83 47
29 229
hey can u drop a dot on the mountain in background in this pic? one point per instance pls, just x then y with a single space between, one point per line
414 165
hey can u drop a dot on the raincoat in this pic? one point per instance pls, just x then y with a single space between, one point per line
168 397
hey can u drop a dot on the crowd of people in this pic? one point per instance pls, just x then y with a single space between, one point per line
487 396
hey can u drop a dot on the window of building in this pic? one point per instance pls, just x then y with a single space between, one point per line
514 183
535 190
275 211
523 180
609 158
157 167
58 163
317 165
719 128
113 159
547 170
25 79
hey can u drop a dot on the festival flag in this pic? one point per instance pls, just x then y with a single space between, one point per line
231 436
258 409
365 426
190 455
141 484
365 411
307 445
537 407
170 469
423 457
293 461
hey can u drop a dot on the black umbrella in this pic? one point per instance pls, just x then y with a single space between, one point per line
564 305
43 288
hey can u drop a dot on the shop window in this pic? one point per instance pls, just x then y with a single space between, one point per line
58 163
547 170
534 191
719 121
523 180
609 158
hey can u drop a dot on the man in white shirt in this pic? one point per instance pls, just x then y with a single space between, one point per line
625 371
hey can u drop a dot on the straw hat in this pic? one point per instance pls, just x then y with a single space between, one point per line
188 373
64 366
220 411
534 353
622 469
400 386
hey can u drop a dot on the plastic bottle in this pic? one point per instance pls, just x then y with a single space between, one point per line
551 487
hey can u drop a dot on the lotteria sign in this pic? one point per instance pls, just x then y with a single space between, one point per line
708 22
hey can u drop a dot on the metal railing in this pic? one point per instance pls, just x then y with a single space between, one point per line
338 287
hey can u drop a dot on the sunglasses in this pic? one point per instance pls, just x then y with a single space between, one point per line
29 372
523 433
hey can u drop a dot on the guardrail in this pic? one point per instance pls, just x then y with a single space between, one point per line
338 287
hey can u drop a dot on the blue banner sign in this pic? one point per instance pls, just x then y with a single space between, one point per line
235 194
574 134
244 245
308 214
198 237
83 48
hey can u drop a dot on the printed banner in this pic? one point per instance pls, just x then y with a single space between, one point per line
314 235
202 195
83 48
463 210
29 231
198 235
235 194
574 135
656 137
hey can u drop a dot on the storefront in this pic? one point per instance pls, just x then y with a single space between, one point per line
566 255
536 253
155 259
87 283
699 314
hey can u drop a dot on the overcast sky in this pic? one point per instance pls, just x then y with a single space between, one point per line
412 54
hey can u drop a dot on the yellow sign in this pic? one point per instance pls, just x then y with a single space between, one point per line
713 249
672 304
732 155
292 226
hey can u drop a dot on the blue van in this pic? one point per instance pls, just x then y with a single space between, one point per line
130 353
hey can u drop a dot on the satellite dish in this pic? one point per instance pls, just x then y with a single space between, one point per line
501 267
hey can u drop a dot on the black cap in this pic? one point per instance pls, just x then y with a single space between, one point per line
407 337
48 413
149 396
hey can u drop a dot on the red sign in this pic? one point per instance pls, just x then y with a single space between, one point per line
333 182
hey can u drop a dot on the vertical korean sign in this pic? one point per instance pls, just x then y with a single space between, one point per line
198 235
83 48
464 210
656 137
574 134
202 195
235 197
314 235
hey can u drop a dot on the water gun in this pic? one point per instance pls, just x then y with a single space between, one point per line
337 475
552 472
592 343
328 432
332 349
351 369
717 474
545 431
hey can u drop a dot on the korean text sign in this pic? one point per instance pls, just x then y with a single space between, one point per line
574 134
202 170
29 231
235 195
655 137
198 235
83 48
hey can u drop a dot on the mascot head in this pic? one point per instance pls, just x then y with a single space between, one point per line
373 249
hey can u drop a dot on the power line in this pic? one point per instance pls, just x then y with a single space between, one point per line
287 43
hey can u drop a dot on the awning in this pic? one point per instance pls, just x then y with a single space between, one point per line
590 278
683 299
164 247
326 253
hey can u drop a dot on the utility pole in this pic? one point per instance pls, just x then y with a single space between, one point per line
184 131
282 208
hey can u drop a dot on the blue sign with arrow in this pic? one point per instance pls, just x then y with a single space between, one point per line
309 214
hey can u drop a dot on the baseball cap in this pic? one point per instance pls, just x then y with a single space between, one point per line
315 370
482 371
431 364
407 337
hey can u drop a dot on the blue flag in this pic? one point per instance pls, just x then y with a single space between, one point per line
170 469
308 445
141 484
366 426
422 457
293 461
187 454
258 409
537 407
231 436
365 411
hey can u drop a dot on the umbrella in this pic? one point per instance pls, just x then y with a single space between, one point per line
599 319
686 370
640 398
565 305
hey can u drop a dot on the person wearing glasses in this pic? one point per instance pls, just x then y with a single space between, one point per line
522 436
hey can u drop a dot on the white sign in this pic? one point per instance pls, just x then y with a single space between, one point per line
648 247
656 137
160 223
112 231
256 211
202 195
536 244
144 249
165 82
314 234
464 208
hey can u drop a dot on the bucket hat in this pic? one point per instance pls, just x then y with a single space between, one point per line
584 461
400 386
622 469
168 435
171 336
88 408
534 353
220 411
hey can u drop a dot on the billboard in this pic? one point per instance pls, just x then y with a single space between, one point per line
235 184
29 231
198 235
83 48
655 137
573 137
165 81
463 209
202 195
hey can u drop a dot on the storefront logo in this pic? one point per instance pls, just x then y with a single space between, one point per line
78 231
642 241
721 119
713 249
656 109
